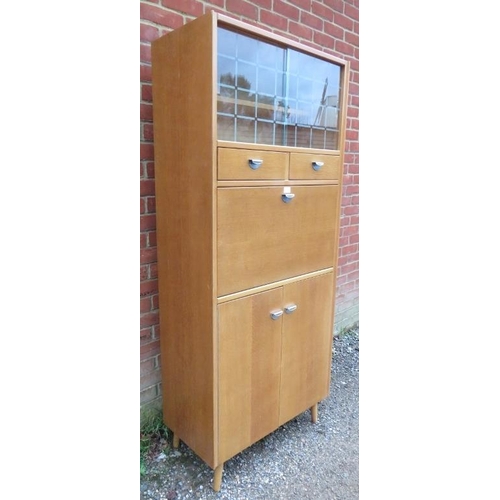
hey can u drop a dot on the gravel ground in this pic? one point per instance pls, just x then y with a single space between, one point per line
300 460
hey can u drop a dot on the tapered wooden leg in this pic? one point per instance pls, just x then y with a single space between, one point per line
218 476
175 441
314 413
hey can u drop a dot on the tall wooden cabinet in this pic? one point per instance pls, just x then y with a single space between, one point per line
248 133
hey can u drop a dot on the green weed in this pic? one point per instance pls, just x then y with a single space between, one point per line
153 433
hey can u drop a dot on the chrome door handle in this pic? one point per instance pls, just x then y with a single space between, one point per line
276 314
255 163
316 165
289 309
287 197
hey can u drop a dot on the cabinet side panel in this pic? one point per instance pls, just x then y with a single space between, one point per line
184 176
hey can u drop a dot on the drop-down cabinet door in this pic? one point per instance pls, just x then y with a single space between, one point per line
265 235
249 369
306 344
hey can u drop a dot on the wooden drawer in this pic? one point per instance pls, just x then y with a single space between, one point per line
262 239
314 166
236 164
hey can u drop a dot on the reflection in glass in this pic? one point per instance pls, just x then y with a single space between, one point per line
317 137
266 108
271 95
302 137
267 81
225 128
226 42
247 48
265 132
245 130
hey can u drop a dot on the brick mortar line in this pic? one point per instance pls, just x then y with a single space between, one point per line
189 17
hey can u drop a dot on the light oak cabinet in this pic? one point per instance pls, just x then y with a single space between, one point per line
249 128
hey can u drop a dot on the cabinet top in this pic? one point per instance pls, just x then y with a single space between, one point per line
226 21
266 88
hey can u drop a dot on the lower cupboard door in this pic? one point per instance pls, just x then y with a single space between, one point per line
249 370
307 344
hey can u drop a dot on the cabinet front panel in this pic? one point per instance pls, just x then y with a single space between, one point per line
247 164
313 166
263 239
249 370
306 345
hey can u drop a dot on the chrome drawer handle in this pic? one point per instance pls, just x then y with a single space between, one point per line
254 163
276 314
287 197
290 309
317 165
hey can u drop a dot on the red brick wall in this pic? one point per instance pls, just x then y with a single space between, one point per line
329 25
